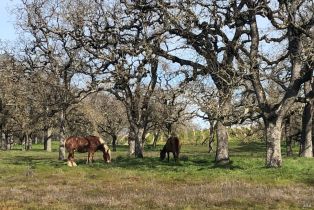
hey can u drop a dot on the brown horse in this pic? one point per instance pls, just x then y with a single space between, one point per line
88 144
172 145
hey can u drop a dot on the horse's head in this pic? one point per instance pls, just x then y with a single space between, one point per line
162 155
106 153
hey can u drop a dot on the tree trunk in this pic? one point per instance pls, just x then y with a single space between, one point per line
211 136
139 144
23 143
273 129
28 143
8 142
62 136
47 139
306 147
114 143
131 142
136 140
222 152
306 136
2 140
156 136
288 136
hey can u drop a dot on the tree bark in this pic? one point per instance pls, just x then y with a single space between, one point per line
131 142
8 141
114 142
288 136
23 142
62 136
28 142
211 136
222 152
156 136
273 130
2 140
47 139
139 144
306 136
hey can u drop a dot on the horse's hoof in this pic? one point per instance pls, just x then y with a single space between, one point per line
74 164
69 164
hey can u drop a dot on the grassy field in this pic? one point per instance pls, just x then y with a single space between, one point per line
37 180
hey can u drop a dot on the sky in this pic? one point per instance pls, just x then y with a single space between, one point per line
7 19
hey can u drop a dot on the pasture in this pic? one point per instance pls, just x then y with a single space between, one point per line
37 180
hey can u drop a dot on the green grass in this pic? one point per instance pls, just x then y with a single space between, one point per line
37 180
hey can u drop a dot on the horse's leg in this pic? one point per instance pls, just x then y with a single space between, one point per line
174 152
88 158
168 156
93 153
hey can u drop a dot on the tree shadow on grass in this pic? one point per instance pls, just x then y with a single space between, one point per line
146 163
33 161
230 166
248 149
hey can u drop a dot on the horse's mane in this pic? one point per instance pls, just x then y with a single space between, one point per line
101 140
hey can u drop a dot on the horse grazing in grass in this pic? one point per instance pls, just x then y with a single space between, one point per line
88 144
172 145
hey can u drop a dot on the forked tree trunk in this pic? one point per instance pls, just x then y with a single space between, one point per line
273 129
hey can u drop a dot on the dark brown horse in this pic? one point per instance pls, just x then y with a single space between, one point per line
172 145
88 144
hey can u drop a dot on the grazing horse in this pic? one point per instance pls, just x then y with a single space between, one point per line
172 145
88 144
